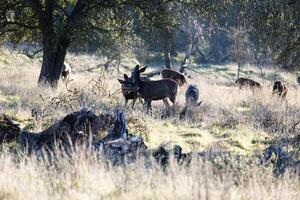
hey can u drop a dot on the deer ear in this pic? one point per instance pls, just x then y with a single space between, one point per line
126 77
143 69
199 103
121 81
137 66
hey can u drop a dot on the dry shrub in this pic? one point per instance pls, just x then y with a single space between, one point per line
138 125
279 117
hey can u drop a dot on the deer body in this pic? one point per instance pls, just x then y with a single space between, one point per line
191 99
154 90
280 89
246 82
128 90
176 76
192 95
66 71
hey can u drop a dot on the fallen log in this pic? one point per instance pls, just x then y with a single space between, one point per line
9 131
76 128
81 128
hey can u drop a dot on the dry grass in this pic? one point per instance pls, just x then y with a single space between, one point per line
229 120
85 177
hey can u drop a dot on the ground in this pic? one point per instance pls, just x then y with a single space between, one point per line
241 122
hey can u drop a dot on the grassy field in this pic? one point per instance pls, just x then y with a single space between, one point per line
229 120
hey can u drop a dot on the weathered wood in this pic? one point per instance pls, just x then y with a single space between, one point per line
9 131
284 161
82 127
79 127
118 146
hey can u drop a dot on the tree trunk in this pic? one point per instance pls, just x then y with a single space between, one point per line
239 69
54 52
167 51
168 58
188 53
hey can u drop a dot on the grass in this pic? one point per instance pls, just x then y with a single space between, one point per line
229 120
85 177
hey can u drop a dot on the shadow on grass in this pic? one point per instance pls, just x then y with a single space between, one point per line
188 135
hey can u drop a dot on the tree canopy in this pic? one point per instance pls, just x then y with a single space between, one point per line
211 30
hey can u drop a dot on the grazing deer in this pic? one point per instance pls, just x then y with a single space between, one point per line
66 72
246 82
156 89
129 90
191 99
176 76
280 89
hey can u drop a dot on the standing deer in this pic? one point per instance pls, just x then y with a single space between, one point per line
176 76
280 89
246 82
129 90
66 71
191 99
298 80
154 90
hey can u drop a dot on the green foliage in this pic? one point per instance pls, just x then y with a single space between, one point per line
221 31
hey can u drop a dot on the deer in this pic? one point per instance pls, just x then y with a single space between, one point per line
191 99
66 71
280 89
129 90
176 76
298 80
246 82
154 89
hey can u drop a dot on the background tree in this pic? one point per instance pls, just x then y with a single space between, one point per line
59 23
277 23
240 49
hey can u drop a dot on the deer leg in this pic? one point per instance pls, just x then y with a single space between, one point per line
148 102
141 101
133 102
126 102
166 103
173 99
183 112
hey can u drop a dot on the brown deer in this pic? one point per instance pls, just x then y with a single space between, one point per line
246 82
280 89
176 76
156 89
298 80
66 72
129 90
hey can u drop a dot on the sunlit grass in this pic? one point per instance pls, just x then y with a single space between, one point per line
229 120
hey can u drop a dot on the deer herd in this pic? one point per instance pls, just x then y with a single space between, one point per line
138 87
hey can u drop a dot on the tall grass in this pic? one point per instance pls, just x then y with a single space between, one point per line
82 176
226 117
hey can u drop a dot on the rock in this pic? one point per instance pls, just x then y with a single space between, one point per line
162 155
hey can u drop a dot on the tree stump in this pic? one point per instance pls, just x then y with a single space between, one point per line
9 131
118 146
